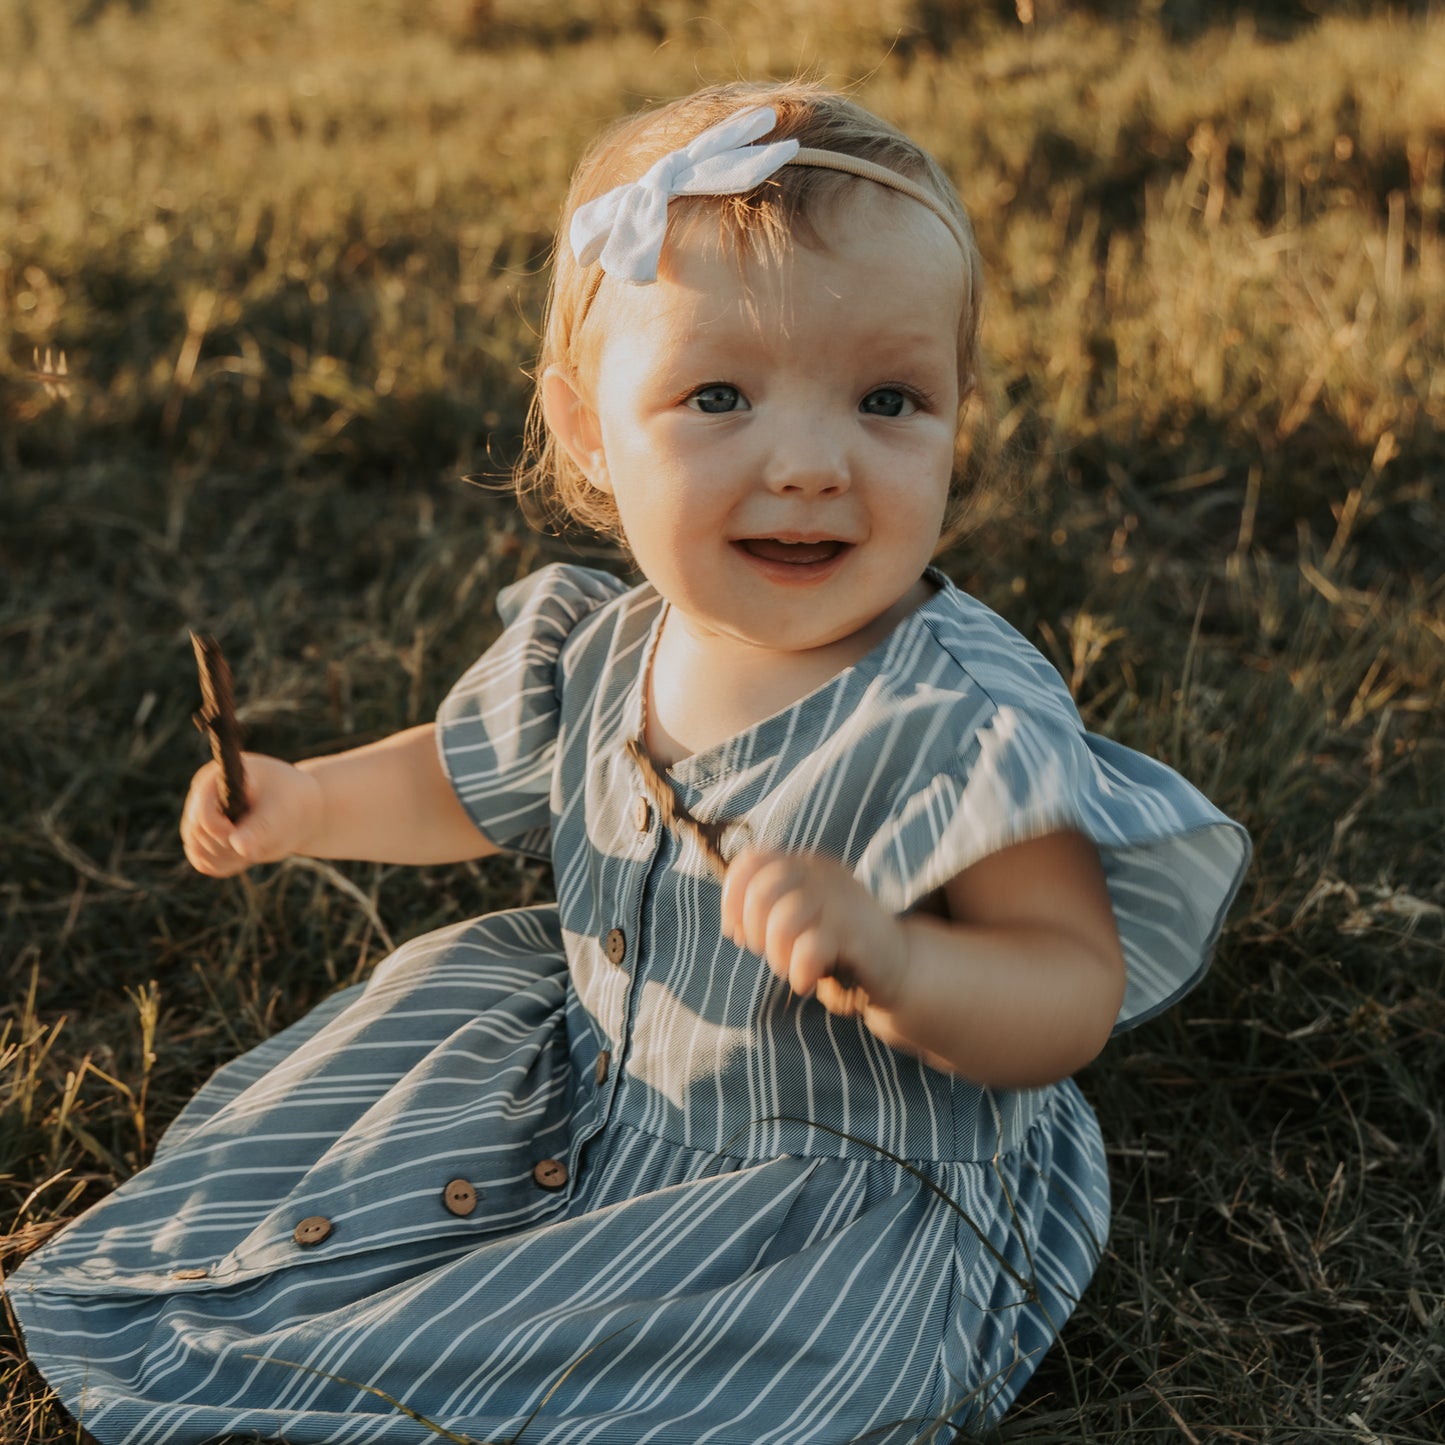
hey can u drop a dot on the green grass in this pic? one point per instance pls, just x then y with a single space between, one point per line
295 253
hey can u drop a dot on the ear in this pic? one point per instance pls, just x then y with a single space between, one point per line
571 419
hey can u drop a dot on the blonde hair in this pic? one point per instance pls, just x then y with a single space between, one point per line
763 223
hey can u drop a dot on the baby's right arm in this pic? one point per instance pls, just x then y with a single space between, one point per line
387 802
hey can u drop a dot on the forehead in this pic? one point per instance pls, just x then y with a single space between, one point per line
877 262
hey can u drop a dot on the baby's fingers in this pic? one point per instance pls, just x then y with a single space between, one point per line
802 950
773 907
741 872
754 881
283 806
207 834
213 859
264 834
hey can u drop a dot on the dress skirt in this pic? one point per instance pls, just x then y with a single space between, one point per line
670 1294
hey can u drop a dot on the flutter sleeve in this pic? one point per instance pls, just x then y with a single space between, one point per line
497 728
1173 861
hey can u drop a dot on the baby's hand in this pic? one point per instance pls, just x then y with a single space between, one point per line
810 918
283 810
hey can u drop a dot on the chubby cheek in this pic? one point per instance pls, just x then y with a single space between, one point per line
911 520
669 555
669 507
657 527
910 470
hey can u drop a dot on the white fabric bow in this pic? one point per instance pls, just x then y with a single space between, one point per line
623 229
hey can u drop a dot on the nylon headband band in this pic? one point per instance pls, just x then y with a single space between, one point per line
872 171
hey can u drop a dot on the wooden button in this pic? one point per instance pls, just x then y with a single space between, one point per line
603 1060
189 1273
312 1230
459 1198
550 1173
616 945
642 814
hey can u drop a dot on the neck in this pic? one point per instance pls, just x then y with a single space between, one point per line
704 687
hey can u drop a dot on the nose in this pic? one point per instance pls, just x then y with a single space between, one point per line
807 458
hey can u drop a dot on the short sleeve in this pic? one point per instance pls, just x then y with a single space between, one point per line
497 728
1172 860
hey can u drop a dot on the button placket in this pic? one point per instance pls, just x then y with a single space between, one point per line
661 847
619 947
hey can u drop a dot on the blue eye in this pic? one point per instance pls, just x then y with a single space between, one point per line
886 401
717 398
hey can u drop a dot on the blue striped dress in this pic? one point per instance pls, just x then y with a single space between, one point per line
589 1171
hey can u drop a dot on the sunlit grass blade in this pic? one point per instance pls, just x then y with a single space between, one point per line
1028 1286
371 1390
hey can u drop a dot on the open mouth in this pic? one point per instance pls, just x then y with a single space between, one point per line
799 554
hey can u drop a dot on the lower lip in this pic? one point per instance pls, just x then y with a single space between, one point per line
793 574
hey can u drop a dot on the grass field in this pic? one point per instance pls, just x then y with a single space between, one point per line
294 252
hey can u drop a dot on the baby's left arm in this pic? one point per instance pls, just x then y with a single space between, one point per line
1019 986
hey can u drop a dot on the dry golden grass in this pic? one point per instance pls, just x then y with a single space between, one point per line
294 252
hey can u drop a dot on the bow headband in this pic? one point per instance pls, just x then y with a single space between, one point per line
623 229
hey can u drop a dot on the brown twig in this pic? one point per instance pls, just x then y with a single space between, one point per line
677 819
217 719
673 815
